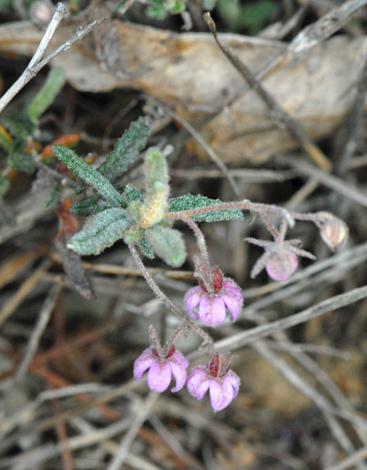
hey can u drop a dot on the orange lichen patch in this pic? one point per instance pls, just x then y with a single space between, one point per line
68 140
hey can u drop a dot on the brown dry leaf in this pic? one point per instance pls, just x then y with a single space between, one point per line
188 72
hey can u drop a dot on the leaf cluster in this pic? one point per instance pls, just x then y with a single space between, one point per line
126 213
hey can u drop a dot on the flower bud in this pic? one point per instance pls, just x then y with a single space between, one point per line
281 265
334 232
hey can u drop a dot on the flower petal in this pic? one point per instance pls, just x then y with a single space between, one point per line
142 363
212 312
159 377
180 375
233 304
198 383
179 359
221 395
233 380
192 299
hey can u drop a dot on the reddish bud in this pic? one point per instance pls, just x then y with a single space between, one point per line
217 279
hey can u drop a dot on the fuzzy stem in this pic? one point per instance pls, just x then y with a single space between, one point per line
282 232
269 225
174 337
162 296
203 251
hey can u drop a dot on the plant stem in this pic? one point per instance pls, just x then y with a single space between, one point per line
162 296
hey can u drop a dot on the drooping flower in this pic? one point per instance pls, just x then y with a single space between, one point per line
161 367
279 259
281 265
213 298
223 384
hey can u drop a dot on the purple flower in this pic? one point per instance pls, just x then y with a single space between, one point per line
213 299
161 367
223 384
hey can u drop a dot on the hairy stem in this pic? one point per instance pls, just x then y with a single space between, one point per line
162 296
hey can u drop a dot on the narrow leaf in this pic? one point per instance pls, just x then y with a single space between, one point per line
190 202
102 232
85 172
146 249
132 194
168 244
46 96
91 206
19 124
156 172
126 150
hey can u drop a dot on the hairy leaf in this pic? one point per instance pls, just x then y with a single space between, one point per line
85 172
126 150
91 206
189 202
146 249
168 244
102 232
18 159
132 194
19 124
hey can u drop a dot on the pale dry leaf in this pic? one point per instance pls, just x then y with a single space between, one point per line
188 72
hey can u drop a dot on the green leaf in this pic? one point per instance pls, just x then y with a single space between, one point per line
102 232
18 159
126 150
86 173
208 5
19 124
5 139
189 202
132 194
158 13
45 97
156 172
4 185
145 248
168 244
91 206
54 196
176 6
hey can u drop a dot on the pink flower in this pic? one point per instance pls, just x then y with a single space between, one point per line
213 300
161 367
223 384
281 265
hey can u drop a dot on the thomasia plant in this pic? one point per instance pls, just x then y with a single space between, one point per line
145 218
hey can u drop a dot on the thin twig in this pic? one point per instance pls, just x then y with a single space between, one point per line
334 303
281 118
33 342
330 181
198 137
36 64
349 461
129 437
23 291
